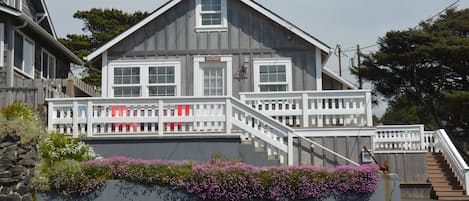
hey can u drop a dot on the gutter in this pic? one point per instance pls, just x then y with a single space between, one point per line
42 33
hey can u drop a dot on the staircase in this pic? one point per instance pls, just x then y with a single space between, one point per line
257 156
445 185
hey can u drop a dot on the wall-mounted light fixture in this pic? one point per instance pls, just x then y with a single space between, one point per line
243 69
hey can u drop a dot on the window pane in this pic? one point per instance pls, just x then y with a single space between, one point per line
28 56
163 74
162 90
273 73
214 83
211 19
18 60
127 75
267 88
211 5
126 91
45 65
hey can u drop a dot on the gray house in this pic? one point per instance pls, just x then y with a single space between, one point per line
207 48
30 53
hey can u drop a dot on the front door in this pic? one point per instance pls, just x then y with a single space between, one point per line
212 76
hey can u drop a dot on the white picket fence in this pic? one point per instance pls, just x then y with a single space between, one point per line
402 138
347 108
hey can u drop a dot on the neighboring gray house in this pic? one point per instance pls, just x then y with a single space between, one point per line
207 48
30 53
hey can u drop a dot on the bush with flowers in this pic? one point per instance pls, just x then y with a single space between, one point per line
218 180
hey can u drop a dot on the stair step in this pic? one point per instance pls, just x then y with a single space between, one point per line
450 193
454 198
446 188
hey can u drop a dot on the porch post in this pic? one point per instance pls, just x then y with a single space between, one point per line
422 137
89 119
50 116
228 115
369 112
75 119
160 118
305 110
290 149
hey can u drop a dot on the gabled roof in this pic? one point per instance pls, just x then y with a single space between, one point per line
256 6
336 77
41 32
49 20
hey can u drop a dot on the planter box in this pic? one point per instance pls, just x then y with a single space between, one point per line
388 189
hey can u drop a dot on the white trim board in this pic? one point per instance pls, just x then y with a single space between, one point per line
2 44
256 6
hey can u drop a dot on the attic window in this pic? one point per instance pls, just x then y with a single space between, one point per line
211 15
15 4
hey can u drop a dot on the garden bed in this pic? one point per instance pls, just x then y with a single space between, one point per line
215 180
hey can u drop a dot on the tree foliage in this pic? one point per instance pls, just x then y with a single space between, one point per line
102 25
419 66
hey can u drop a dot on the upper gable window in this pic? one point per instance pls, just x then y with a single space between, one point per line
211 15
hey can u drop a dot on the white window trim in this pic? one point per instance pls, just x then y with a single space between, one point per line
144 73
198 77
211 28
2 44
257 62
13 55
42 64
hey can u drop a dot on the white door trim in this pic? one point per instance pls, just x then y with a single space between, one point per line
198 79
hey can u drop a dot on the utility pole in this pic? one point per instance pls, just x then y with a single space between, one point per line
340 60
359 68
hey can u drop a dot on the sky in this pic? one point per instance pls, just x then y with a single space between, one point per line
335 22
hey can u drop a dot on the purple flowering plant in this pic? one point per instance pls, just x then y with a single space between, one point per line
217 179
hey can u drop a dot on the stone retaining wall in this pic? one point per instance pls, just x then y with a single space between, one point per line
17 163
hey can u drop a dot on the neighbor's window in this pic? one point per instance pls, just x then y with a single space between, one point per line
23 54
48 65
272 75
211 15
162 81
127 82
15 4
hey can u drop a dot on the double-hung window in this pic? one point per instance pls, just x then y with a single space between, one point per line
23 54
146 79
211 15
48 65
162 81
127 82
272 75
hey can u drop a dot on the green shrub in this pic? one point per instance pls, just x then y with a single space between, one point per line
20 120
58 147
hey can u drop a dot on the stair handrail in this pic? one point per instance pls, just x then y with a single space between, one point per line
89 89
278 124
454 158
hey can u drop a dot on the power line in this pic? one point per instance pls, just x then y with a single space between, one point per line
350 49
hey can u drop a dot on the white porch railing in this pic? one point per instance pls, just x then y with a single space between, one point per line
93 117
402 138
314 108
444 145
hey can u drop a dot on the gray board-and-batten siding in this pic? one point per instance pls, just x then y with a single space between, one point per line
250 35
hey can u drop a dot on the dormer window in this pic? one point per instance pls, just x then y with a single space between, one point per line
211 15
